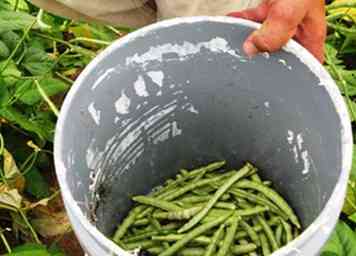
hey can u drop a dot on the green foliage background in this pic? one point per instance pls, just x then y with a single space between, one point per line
40 57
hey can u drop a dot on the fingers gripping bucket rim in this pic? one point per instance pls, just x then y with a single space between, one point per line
334 204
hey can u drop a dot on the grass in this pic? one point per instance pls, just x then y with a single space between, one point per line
45 54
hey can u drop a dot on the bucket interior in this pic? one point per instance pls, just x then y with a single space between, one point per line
162 102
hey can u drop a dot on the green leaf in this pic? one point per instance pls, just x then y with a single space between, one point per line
33 250
30 95
351 106
14 116
11 39
331 54
45 119
11 20
55 22
350 78
10 72
54 250
21 5
353 168
342 242
4 5
352 217
37 61
36 184
4 93
350 200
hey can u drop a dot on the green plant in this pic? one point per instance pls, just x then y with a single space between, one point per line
341 63
40 57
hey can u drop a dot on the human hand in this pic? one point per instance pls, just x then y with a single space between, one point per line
303 20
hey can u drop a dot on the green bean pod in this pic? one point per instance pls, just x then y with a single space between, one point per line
191 252
191 235
141 244
251 232
273 196
229 237
197 218
266 251
243 249
288 231
178 215
269 233
279 233
257 199
161 204
140 237
210 251
128 221
191 186
252 211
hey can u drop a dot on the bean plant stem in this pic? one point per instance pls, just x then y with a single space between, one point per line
47 99
344 85
6 244
28 224
7 61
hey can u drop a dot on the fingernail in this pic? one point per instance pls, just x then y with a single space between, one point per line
250 49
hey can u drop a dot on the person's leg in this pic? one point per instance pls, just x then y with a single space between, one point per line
178 8
59 9
133 16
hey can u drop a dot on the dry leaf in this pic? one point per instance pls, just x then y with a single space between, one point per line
42 202
10 198
52 225
14 177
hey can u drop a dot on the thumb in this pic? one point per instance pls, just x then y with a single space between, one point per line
280 25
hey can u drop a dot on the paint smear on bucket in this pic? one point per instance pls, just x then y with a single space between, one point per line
94 113
122 105
140 87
